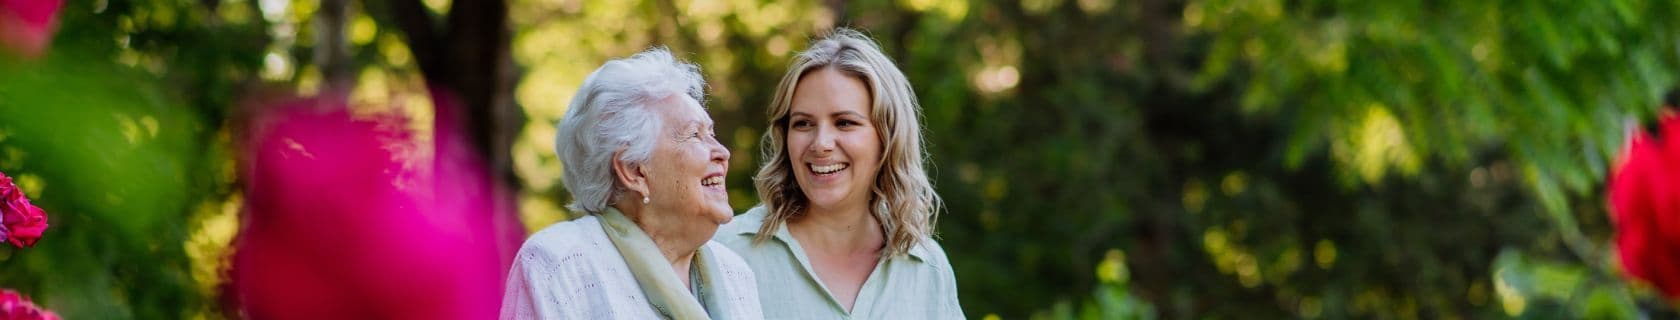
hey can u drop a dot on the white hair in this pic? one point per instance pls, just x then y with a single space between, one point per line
613 111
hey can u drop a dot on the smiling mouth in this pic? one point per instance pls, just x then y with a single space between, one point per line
714 181
827 169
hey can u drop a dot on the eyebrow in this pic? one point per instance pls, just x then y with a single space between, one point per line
697 124
853 113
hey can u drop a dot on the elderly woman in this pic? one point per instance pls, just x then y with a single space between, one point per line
640 158
843 174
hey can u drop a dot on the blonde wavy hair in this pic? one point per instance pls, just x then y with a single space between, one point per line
903 198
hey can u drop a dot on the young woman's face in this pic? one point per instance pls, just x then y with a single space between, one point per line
831 140
685 172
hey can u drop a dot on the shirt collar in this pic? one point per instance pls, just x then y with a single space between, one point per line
755 218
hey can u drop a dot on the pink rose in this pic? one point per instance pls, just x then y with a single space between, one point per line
21 222
14 306
26 26
6 191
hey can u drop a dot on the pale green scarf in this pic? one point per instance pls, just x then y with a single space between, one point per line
661 285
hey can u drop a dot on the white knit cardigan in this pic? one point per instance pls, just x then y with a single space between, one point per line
572 271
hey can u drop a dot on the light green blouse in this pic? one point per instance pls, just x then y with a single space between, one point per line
918 286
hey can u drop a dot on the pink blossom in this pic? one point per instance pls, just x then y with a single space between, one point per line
21 223
14 306
350 217
27 26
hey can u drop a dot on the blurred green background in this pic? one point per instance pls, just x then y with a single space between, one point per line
1100 158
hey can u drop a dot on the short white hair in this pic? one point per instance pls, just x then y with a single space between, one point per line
613 110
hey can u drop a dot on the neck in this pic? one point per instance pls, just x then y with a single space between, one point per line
851 229
680 265
670 236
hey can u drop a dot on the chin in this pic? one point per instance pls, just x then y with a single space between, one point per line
825 199
722 215
726 219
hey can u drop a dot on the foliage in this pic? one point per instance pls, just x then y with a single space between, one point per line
1111 300
117 133
1250 158
120 170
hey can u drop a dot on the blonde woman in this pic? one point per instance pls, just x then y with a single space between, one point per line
844 228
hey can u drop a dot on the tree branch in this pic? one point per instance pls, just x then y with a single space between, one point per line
477 49
332 49
417 25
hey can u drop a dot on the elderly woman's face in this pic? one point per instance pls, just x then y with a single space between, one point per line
685 172
832 141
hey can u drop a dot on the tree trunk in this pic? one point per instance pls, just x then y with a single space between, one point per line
332 49
468 57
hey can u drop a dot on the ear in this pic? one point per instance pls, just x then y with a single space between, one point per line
628 175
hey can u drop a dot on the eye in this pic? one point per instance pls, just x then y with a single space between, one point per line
847 123
801 124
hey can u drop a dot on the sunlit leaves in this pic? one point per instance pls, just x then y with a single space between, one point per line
1373 143
1391 86
1445 78
119 166
1523 283
951 10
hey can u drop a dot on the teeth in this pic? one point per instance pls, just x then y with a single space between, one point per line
717 180
828 168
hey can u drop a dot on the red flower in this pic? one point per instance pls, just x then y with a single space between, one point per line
1645 207
14 306
21 222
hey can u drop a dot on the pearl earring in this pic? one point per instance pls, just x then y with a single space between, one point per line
646 200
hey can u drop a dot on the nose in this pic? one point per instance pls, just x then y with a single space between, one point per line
825 140
719 152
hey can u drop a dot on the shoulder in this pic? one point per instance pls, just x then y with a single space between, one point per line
935 263
929 251
737 288
746 222
943 288
571 270
739 232
726 258
565 242
734 268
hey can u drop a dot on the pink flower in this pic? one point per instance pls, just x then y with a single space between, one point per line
26 26
355 217
14 306
21 222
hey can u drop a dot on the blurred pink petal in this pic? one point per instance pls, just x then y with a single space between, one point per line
15 306
26 26
354 218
